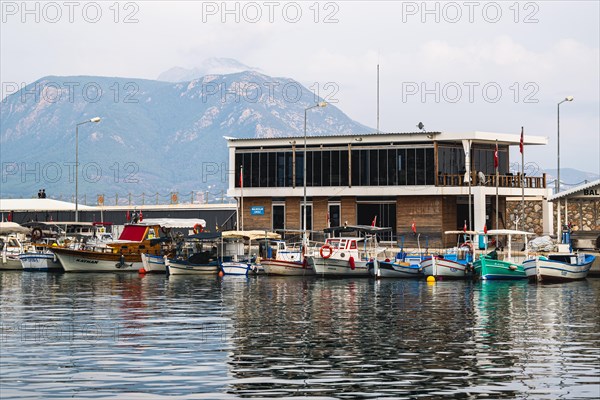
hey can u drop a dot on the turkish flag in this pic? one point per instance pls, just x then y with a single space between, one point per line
496 157
413 227
485 229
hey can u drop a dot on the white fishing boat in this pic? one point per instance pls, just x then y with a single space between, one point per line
559 267
347 256
394 269
455 263
11 235
278 259
236 248
153 263
39 257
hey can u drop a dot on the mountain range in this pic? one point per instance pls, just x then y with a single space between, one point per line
154 135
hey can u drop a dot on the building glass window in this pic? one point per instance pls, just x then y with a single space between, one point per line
344 181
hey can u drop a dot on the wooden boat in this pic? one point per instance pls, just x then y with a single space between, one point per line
455 263
489 267
347 256
123 254
560 267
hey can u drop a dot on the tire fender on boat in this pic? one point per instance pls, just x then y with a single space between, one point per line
352 263
197 229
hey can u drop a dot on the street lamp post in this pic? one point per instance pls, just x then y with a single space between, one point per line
95 120
320 104
558 228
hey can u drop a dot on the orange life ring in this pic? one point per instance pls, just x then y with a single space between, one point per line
468 245
329 251
197 229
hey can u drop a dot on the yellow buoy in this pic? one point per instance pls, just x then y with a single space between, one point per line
431 278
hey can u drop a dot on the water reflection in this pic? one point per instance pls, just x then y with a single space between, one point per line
110 335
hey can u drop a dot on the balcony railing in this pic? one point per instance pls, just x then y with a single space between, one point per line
504 181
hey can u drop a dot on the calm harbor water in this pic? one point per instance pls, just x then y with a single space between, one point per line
126 336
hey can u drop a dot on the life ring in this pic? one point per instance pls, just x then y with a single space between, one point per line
328 253
467 245
197 229
36 234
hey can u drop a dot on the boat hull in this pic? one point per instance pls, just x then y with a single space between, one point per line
388 269
89 261
442 268
235 268
541 269
39 262
288 268
337 267
490 269
10 262
175 267
153 263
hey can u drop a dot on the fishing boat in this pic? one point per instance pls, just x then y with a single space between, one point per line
198 256
277 259
560 267
347 256
455 263
237 245
393 269
123 254
39 257
153 263
11 235
488 266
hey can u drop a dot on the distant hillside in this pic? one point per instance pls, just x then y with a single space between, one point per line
154 136
210 66
570 177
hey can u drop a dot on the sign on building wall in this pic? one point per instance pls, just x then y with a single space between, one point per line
257 210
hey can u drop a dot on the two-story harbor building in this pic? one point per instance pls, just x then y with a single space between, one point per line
399 180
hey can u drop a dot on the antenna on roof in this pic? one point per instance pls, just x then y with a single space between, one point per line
378 95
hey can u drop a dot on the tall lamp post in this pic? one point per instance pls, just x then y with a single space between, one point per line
568 98
320 104
95 120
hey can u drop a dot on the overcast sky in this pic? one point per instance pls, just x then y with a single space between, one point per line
485 66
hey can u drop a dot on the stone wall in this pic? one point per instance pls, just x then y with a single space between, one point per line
533 216
583 214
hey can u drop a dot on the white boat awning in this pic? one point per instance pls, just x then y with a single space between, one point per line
174 222
12 227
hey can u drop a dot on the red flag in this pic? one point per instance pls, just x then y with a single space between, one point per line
241 176
465 227
374 221
9 217
496 157
485 229
128 216
141 215
413 227
521 142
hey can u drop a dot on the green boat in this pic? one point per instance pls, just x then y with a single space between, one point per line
488 267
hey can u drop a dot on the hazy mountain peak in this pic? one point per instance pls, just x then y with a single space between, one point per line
210 66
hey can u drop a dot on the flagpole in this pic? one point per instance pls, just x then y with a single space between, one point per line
496 163
241 227
522 181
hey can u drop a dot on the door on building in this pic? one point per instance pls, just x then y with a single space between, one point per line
385 214
462 213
